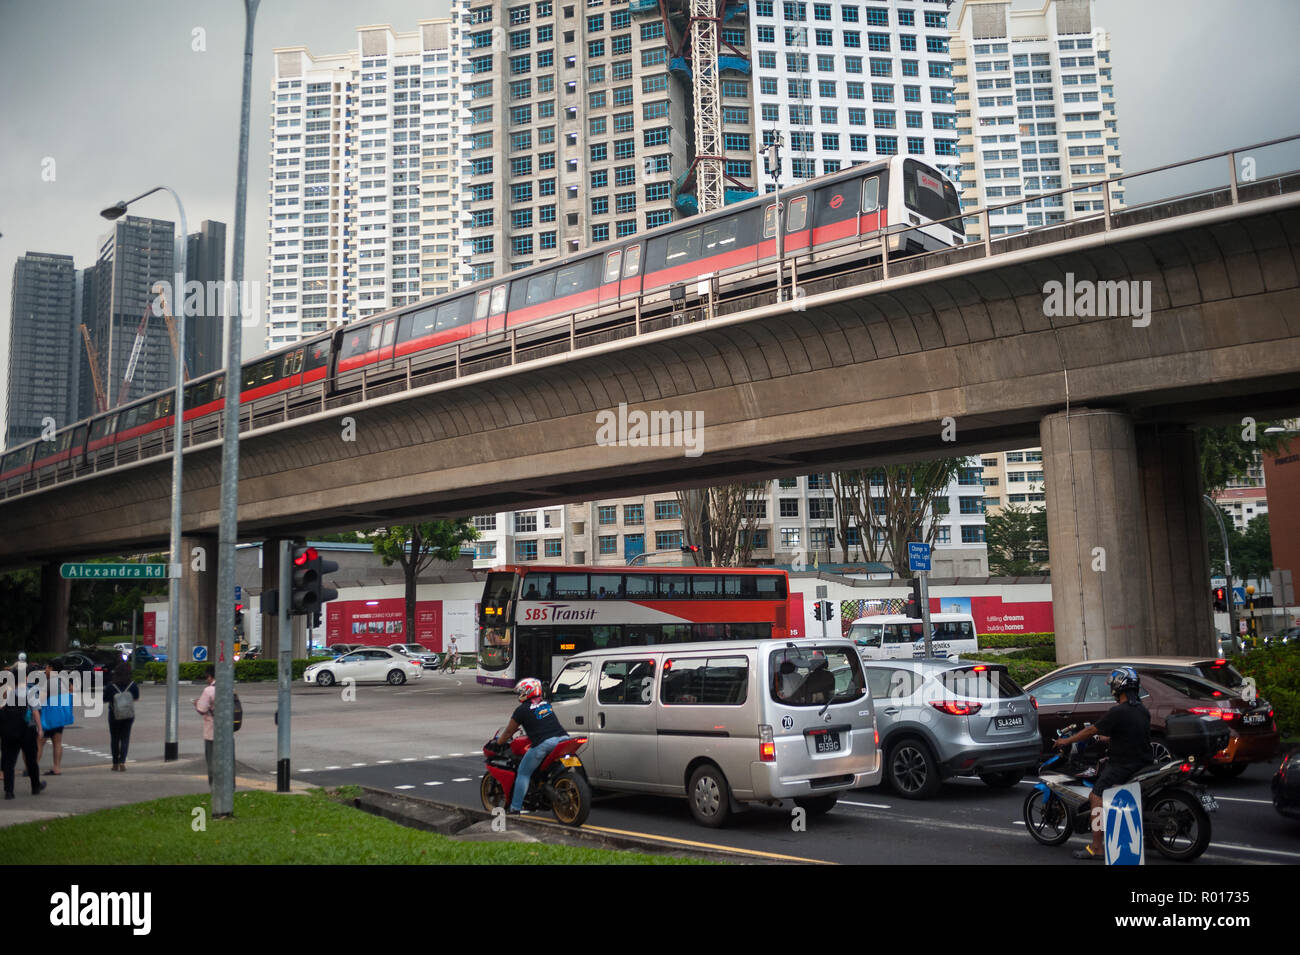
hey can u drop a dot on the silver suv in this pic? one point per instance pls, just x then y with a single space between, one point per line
941 718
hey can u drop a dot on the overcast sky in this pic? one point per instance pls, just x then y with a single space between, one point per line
113 92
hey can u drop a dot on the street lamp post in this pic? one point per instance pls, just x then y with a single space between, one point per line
773 150
171 741
1227 569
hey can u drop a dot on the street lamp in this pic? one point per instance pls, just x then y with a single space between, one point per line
171 743
773 156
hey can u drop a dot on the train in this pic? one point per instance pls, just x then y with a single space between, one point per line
833 222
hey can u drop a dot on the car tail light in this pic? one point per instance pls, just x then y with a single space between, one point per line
1215 713
957 707
1033 701
766 744
1185 768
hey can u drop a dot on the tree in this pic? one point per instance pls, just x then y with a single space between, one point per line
1017 541
417 546
909 498
1228 451
721 522
20 595
1251 551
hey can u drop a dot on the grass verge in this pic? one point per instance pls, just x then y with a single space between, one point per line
271 829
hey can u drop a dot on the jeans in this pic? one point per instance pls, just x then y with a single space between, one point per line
532 759
119 738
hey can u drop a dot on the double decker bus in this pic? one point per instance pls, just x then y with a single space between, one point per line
532 619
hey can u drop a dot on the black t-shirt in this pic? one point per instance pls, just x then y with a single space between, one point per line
538 720
1129 727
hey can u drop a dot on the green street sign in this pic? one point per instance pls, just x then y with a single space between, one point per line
115 572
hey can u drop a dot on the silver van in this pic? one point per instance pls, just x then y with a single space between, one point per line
724 723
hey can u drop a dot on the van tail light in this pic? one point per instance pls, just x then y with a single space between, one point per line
766 744
956 707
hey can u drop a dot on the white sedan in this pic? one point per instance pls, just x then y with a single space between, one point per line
367 665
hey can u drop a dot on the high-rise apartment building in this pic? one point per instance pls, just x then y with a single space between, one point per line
41 329
846 83
133 256
205 263
365 181
1036 112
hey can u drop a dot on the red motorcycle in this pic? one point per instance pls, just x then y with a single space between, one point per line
558 784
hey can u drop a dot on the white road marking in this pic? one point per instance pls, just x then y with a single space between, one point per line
1262 802
358 764
306 770
450 755
867 805
327 768
383 762
408 759
435 783
1271 852
433 757
462 779
403 787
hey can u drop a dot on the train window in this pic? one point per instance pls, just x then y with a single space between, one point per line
354 343
390 330
498 300
632 262
570 281
797 218
684 246
611 266
259 374
928 193
297 361
540 288
719 236
199 394
376 331
451 314
164 407
769 221
318 355
871 194
218 388
418 324
481 306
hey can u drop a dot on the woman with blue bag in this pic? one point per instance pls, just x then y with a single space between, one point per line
56 713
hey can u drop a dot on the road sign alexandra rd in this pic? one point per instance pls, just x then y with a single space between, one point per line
118 571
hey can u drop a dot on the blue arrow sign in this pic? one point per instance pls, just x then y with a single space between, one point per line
1124 826
918 556
200 654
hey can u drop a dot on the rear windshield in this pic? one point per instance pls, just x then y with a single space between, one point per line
1224 674
815 676
1191 686
980 683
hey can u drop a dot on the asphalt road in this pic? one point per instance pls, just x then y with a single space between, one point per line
425 739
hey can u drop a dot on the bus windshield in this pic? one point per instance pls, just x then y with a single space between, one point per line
495 630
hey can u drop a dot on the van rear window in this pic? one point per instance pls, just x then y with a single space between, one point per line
815 676
712 681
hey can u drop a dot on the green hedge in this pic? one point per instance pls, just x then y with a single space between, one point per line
1277 679
246 671
996 641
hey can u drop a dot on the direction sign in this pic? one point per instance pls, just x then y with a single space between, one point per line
118 571
918 556
200 654
1123 825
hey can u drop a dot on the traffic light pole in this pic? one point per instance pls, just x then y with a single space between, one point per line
925 610
285 674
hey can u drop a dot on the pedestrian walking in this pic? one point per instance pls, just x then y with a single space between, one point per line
20 724
453 652
206 705
56 713
119 697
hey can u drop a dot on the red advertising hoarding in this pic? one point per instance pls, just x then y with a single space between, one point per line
378 623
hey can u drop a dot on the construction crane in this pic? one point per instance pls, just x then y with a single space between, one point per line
705 17
137 346
171 331
101 399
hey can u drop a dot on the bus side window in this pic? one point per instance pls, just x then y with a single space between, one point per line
871 194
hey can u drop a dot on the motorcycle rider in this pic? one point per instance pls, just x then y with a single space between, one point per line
538 719
1127 728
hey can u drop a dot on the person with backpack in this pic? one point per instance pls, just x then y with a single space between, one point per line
120 695
20 725
206 705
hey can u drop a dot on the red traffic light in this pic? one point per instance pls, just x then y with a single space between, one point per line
307 555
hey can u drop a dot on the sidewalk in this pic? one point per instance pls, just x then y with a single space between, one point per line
85 789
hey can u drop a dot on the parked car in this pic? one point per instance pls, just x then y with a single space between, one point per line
1286 786
145 653
367 665
1080 693
87 661
1215 669
426 656
942 718
723 723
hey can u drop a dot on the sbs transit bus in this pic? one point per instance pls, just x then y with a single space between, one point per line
894 636
532 619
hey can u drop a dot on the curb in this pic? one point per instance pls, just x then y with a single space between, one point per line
448 819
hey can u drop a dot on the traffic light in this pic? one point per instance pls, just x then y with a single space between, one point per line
693 550
912 610
309 592
239 620
830 610
817 610
1220 602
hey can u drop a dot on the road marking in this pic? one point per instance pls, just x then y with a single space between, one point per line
433 757
383 762
867 805
450 755
408 759
306 770
327 768
358 764
1261 802
433 784
1271 852
403 787
703 845
462 779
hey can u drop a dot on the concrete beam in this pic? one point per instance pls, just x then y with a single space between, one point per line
56 597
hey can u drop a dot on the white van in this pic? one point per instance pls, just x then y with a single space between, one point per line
724 723
894 636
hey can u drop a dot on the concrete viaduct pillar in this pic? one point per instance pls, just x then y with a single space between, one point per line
198 623
56 596
1126 534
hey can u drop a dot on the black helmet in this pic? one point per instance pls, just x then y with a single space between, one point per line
1124 680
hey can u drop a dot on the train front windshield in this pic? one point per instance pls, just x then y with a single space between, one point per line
496 626
929 194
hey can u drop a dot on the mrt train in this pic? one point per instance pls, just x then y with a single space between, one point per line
835 222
